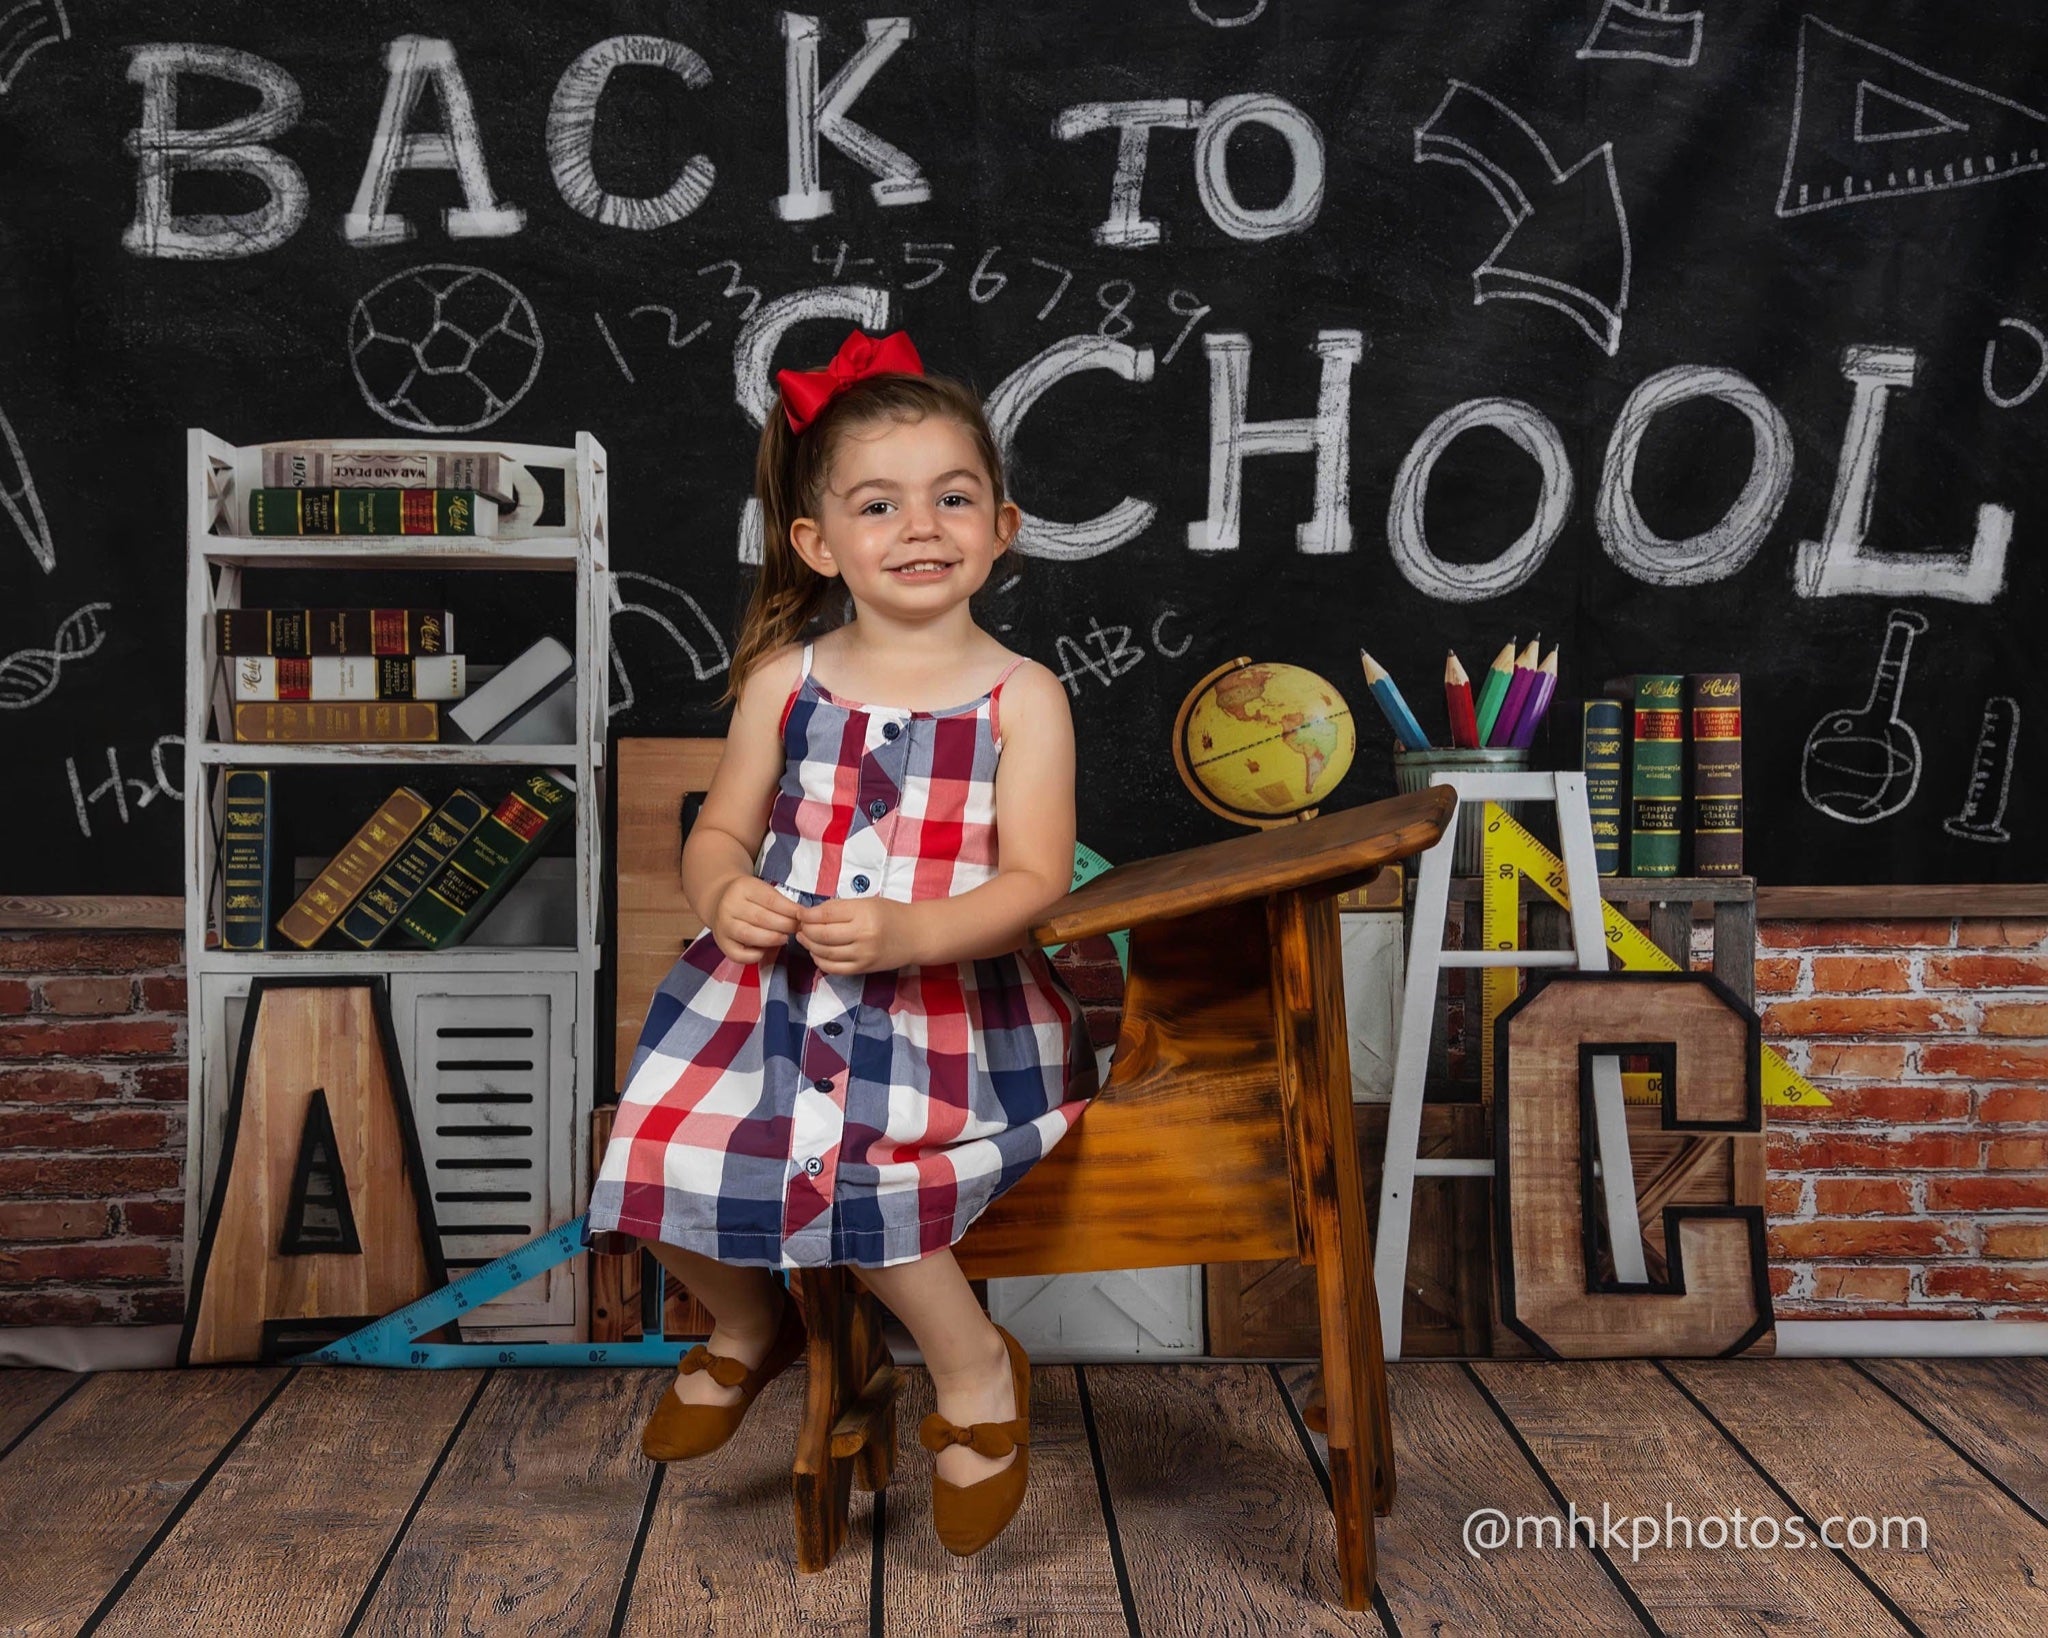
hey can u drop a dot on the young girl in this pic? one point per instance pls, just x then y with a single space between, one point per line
863 1049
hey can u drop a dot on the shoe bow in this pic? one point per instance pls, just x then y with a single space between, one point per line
990 1439
726 1371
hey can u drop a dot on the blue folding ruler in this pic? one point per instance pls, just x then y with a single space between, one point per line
392 1340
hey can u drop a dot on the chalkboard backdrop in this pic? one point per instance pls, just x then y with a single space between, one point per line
1691 340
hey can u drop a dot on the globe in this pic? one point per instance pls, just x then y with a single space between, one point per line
1261 742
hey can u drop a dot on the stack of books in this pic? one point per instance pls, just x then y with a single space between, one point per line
382 676
413 871
1663 763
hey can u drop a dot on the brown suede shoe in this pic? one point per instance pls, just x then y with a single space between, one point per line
676 1431
970 1516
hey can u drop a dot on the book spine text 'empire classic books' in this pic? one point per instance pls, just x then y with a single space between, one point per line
362 512
1601 738
348 677
315 632
352 722
1716 710
385 900
245 851
1657 776
493 857
355 867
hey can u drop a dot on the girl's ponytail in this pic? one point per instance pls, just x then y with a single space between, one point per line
788 592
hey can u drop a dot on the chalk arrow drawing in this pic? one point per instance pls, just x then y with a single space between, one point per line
24 30
1868 124
1652 33
18 496
1568 228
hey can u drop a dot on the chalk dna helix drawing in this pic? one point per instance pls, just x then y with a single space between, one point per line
1983 815
444 348
1863 764
1868 125
1651 33
29 676
1569 228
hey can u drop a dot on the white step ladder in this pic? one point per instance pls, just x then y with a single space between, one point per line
1427 957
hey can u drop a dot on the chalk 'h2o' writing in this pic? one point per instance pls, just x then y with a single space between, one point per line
116 786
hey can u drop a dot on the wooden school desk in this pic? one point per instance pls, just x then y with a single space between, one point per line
1222 1134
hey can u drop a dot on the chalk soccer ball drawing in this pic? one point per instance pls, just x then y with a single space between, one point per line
1262 742
444 348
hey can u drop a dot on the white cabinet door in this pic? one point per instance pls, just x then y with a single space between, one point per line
491 1064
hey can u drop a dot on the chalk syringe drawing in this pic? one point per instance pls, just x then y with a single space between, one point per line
1868 124
1983 815
1651 33
24 506
24 30
444 348
1863 764
29 676
1568 228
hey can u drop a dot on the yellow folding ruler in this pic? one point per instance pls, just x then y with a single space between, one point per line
1511 853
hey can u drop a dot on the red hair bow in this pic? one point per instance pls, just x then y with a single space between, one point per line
860 355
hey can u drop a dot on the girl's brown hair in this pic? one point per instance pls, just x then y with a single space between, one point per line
789 478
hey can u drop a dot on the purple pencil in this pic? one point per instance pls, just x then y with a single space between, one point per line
1539 703
1510 716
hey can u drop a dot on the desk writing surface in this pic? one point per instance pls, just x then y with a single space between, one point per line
1254 866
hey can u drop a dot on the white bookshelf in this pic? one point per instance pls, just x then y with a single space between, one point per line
506 1113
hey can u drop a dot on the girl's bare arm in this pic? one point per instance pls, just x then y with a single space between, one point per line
729 828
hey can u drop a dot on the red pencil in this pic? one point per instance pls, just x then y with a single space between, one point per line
1458 700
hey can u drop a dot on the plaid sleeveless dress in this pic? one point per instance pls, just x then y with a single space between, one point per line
779 1115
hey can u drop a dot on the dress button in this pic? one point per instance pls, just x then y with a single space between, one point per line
891 729
860 884
833 1029
814 1165
877 808
823 1084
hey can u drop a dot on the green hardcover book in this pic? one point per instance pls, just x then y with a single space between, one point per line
1601 739
490 860
362 511
385 900
1657 776
245 853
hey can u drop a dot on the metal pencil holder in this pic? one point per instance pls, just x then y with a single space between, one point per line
1411 773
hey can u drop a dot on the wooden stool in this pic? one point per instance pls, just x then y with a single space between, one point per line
1223 1134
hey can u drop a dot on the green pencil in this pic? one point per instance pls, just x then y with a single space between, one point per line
1498 676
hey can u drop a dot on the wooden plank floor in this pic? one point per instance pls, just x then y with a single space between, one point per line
1165 1500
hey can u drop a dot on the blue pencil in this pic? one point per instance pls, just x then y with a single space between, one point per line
1392 706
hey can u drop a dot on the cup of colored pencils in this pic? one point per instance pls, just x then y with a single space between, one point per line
1490 730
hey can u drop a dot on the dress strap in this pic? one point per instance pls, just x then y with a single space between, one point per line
995 728
789 704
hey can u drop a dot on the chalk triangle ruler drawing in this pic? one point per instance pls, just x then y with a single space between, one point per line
1868 124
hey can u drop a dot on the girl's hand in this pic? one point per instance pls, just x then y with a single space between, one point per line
751 920
859 935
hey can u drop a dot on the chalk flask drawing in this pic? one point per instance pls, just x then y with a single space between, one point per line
1863 764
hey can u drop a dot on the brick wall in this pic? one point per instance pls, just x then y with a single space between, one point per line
1923 1191
92 1128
